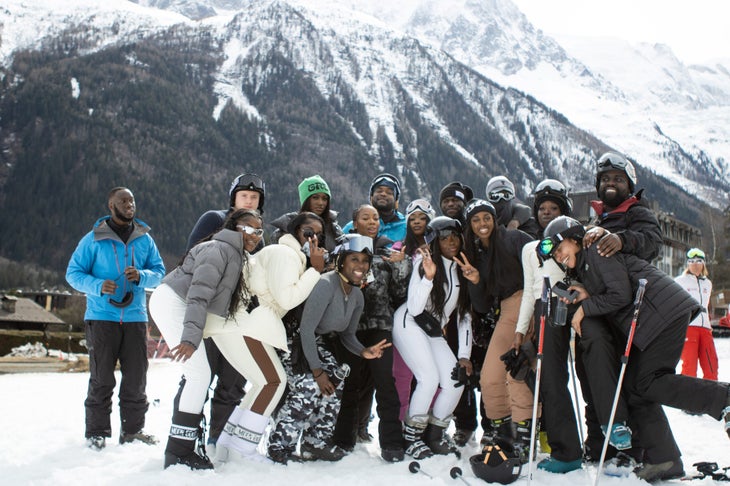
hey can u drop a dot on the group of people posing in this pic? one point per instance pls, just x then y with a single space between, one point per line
417 311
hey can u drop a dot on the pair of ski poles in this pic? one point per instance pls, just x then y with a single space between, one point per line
545 299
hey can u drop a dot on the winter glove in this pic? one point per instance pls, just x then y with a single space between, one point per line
459 375
516 364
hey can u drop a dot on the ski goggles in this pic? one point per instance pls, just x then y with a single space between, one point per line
496 196
550 188
694 253
608 163
695 260
546 247
248 182
421 205
250 230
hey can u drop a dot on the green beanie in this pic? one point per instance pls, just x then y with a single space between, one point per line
312 185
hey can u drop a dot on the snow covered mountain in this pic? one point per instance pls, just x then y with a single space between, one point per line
343 88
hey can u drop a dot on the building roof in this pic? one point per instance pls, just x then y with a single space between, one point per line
27 311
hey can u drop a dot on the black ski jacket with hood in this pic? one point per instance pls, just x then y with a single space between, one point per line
635 224
612 283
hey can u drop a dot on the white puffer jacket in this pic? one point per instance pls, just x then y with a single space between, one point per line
279 277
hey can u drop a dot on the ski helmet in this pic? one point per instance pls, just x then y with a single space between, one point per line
388 180
420 205
497 463
559 229
552 190
352 243
248 182
477 206
499 188
441 227
615 161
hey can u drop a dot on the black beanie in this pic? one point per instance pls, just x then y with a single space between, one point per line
458 190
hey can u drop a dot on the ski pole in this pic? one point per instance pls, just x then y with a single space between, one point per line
575 390
457 473
624 361
543 313
415 468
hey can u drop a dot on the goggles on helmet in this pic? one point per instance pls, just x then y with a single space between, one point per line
496 196
421 205
695 253
250 182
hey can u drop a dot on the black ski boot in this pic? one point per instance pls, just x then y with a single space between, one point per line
498 428
436 437
184 432
321 452
522 432
413 428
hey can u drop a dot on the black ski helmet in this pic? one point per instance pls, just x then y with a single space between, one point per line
497 463
615 161
388 180
559 229
552 190
352 243
248 182
439 225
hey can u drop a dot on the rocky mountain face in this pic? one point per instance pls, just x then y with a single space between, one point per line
175 108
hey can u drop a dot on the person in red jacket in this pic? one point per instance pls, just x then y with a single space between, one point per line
698 345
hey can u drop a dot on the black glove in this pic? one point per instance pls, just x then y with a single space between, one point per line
516 364
459 375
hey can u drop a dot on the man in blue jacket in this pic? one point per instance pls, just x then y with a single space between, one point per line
112 265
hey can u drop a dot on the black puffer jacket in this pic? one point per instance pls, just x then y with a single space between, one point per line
635 224
387 291
612 283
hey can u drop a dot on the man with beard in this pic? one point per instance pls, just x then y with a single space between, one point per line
453 199
384 196
624 223
112 265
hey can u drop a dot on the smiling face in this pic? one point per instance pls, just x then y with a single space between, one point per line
383 199
250 241
613 188
122 207
450 244
355 267
566 253
482 225
367 221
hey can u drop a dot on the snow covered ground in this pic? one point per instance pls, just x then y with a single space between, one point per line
42 443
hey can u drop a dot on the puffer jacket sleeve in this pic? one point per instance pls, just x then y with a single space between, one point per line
614 279
642 236
210 264
152 269
286 285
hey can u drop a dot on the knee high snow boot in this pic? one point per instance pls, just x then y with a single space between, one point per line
413 428
184 432
242 433
436 437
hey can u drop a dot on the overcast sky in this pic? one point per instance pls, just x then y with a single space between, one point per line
696 30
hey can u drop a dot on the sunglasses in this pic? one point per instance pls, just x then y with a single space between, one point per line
499 196
250 230
546 247
695 260
309 233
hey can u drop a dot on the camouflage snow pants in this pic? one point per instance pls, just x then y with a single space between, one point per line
306 411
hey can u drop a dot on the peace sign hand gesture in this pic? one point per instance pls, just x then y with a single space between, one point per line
470 273
429 267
